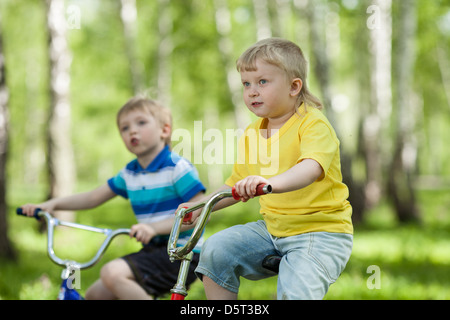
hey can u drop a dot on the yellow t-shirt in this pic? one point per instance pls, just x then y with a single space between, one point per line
321 206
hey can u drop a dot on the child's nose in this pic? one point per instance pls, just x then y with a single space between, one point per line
253 92
133 129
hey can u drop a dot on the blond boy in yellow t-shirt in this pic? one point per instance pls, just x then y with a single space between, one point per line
292 147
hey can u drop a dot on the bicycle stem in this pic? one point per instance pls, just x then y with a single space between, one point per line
180 252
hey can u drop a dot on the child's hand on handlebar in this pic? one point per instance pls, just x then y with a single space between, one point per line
246 188
29 209
142 232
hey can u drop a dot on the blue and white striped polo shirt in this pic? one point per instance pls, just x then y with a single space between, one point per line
156 191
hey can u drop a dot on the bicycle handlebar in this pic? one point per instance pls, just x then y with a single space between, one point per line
183 213
53 222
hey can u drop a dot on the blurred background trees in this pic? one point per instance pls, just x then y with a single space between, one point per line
382 68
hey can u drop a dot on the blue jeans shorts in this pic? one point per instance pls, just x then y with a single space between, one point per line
310 262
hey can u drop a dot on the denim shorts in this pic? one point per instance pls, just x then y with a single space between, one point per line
310 262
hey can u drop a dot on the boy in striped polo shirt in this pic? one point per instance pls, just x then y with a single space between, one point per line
155 183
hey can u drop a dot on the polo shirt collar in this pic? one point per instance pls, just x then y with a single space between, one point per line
154 166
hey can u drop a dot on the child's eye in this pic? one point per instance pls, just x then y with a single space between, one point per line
124 128
142 122
262 81
246 84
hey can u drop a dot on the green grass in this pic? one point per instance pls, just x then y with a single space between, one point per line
413 260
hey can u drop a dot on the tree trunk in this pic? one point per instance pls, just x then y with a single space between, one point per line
6 249
400 185
128 15
165 25
379 23
263 27
225 44
322 72
280 10
404 160
60 158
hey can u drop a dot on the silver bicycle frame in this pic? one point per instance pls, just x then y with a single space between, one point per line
177 253
185 253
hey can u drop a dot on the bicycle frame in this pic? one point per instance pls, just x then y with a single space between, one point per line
67 292
185 253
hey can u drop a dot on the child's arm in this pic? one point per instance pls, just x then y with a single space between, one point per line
299 176
85 200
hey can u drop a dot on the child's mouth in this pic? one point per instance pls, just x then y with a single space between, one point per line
134 142
257 104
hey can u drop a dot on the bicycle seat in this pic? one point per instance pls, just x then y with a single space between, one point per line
272 262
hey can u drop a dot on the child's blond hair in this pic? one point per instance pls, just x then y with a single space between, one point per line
153 107
287 56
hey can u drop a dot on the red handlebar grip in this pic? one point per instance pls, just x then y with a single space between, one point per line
261 189
234 193
188 216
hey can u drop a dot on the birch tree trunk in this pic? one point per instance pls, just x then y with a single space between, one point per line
315 12
128 15
165 25
225 44
280 13
376 121
60 158
403 164
263 26
6 249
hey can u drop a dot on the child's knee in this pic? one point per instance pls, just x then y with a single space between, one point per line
107 274
112 271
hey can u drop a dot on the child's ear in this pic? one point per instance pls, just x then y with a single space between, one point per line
166 131
296 87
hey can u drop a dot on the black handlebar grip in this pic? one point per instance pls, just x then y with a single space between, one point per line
19 211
